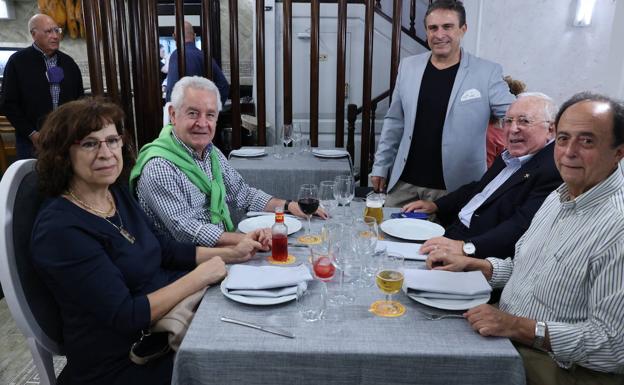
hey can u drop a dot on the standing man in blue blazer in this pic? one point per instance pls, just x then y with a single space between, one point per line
486 218
433 138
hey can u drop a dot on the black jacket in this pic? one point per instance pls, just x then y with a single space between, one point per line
507 213
25 98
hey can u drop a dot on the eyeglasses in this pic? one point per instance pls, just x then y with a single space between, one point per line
49 31
93 145
521 122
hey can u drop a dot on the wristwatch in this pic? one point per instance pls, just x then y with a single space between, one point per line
540 335
286 205
469 248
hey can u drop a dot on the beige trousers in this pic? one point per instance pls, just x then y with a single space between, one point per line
403 193
541 369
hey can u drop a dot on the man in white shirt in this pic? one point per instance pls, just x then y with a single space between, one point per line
564 290
486 218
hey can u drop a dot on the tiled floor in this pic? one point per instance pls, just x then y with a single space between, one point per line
16 365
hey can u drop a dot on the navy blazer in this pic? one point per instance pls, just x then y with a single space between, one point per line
25 98
507 213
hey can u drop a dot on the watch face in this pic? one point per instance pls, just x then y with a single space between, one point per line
469 248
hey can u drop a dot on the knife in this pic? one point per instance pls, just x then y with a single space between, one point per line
279 332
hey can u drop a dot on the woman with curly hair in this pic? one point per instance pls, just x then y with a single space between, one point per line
110 274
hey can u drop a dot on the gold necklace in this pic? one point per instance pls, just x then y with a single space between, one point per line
129 237
88 206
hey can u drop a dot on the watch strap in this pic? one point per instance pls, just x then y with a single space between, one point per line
540 335
286 205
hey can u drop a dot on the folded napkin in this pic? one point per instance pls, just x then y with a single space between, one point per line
446 284
407 250
272 293
247 277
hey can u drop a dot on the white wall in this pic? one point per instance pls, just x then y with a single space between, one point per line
534 41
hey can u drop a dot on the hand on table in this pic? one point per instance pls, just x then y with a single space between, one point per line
443 244
490 321
421 206
211 271
263 237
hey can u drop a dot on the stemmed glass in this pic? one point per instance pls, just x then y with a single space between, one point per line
308 200
326 196
297 137
287 137
389 279
344 190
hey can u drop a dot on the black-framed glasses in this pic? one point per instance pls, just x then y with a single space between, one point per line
521 121
92 145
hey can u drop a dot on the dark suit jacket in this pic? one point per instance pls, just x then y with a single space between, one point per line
507 213
25 98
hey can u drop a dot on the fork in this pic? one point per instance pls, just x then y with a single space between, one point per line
435 317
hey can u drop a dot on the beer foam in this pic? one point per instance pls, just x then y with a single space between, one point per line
374 204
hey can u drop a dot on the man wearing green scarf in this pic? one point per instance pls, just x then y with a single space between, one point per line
184 183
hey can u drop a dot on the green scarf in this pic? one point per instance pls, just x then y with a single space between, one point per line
165 146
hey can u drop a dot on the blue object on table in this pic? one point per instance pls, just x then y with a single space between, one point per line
413 215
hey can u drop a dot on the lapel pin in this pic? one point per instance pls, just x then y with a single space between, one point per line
527 175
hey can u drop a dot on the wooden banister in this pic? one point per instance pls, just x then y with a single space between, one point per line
314 72
235 76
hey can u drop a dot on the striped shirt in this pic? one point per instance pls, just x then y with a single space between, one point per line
55 88
569 272
180 209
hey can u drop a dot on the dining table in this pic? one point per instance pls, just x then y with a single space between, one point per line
350 346
283 177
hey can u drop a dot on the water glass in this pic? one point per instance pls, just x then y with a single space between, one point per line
312 302
278 151
326 196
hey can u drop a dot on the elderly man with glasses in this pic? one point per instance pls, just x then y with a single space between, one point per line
487 217
37 80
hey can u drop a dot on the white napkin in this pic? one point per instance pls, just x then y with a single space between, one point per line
446 284
407 250
246 277
272 293
247 152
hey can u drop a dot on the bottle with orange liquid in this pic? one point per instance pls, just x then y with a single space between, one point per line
279 234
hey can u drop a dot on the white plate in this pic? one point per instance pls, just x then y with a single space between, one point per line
450 304
329 153
261 301
248 152
260 222
412 229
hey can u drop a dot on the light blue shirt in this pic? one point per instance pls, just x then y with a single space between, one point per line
513 165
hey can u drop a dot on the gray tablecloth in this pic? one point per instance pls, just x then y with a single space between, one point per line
352 346
283 177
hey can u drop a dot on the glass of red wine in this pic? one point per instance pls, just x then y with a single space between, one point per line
308 200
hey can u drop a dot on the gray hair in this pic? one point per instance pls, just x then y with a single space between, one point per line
196 83
550 107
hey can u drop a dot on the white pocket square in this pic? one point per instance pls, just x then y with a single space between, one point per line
472 93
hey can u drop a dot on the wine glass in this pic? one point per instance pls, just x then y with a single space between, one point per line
389 279
344 190
308 200
326 196
287 138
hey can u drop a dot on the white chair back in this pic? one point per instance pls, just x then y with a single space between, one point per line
31 304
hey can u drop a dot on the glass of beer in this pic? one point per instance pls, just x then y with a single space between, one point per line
374 204
389 279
